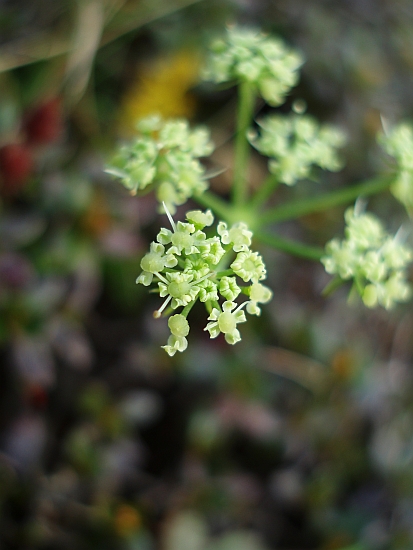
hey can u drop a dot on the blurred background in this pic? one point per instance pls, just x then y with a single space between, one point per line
300 437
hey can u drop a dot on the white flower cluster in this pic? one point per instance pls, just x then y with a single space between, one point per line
295 143
375 260
398 143
248 55
164 155
187 266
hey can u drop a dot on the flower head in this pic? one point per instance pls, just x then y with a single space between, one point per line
295 144
398 142
374 259
187 266
246 55
166 155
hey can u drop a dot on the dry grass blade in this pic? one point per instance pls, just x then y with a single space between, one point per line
47 45
86 40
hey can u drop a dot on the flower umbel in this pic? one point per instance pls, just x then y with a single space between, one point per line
375 260
246 55
164 156
398 142
188 266
295 144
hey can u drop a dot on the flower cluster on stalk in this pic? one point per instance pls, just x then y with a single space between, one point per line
374 259
187 265
247 55
165 156
398 142
295 143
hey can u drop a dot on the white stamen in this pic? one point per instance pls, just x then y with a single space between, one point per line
162 278
157 313
171 221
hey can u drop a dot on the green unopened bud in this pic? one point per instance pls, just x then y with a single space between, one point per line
178 325
200 219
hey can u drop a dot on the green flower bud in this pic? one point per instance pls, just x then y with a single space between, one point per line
178 325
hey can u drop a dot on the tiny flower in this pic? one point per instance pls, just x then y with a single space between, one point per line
249 266
228 288
363 229
153 262
208 291
178 325
211 250
258 294
341 258
395 253
184 238
149 124
179 328
200 219
238 235
180 287
175 343
168 194
373 266
387 293
226 322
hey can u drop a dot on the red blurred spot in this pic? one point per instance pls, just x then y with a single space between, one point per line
16 164
44 123
36 396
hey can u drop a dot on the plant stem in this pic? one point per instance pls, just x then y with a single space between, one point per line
291 247
333 285
246 102
266 189
296 209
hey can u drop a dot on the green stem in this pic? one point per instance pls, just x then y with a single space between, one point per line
187 309
224 273
296 209
245 113
291 247
266 189
333 285
215 203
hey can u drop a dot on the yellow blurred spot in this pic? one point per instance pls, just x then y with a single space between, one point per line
97 218
161 87
343 363
127 520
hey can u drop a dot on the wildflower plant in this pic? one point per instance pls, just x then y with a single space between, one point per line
211 257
